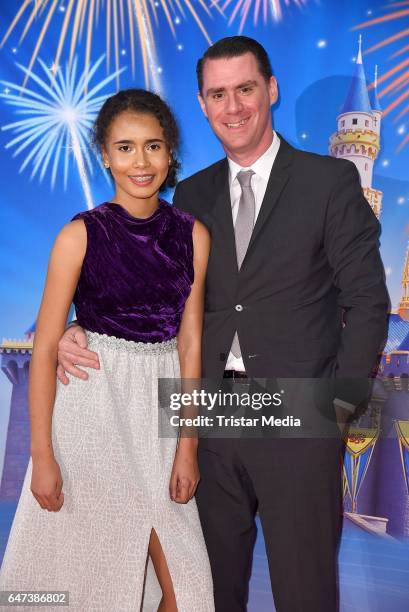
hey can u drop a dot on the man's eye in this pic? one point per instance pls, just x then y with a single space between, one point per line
217 96
246 89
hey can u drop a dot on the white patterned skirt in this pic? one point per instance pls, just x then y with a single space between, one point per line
116 473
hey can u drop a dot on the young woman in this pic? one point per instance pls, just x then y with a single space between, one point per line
102 492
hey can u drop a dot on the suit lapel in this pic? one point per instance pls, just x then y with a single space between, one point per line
224 219
279 176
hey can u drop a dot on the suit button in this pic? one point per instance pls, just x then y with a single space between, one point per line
238 307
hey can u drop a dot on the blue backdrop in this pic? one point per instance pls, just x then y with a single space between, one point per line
48 172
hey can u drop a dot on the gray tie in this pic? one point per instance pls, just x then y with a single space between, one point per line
243 229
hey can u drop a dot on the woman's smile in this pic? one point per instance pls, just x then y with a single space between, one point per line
142 180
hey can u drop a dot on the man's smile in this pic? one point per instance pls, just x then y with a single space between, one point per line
237 124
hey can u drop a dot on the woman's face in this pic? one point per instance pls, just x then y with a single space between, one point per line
137 154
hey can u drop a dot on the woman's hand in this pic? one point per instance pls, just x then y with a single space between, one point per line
185 475
46 484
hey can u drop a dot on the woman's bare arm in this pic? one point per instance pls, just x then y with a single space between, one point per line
185 474
190 333
63 272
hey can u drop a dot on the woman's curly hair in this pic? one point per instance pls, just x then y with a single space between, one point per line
141 101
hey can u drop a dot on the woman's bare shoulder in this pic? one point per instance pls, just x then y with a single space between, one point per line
72 239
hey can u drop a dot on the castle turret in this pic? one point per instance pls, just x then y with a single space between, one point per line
375 104
15 361
358 135
403 308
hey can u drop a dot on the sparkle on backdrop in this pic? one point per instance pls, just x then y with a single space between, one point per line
261 9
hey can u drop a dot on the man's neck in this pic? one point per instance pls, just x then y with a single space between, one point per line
247 158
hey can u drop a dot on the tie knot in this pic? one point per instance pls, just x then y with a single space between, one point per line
244 178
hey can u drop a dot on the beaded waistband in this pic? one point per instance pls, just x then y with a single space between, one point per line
111 342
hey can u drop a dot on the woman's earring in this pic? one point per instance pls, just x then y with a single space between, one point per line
106 164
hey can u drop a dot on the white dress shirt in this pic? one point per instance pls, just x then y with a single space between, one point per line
262 169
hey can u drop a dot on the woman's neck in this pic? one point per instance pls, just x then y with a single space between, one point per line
137 207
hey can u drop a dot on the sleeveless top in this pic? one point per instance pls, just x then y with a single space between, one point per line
136 274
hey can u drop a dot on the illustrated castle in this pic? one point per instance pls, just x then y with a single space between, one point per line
358 135
383 433
358 139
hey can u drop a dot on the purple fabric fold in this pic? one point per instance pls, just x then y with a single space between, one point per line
137 273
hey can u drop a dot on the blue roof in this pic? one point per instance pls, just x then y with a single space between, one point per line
358 98
31 329
376 105
404 346
398 334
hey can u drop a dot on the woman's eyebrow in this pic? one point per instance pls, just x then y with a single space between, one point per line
155 140
149 140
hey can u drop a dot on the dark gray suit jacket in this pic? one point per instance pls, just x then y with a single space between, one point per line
313 261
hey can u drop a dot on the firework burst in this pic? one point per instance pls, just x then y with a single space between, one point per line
398 75
58 119
261 9
80 15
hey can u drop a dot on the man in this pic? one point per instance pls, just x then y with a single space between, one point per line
295 289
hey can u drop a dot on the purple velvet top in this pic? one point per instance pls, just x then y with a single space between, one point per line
136 274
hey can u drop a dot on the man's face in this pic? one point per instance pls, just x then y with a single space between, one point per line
236 99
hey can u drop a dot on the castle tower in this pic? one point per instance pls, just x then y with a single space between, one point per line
15 360
358 132
403 308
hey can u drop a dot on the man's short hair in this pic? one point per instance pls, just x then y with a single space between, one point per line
234 46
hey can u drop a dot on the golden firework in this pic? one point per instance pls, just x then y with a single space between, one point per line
80 15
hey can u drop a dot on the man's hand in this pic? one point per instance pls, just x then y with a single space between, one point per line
343 417
73 351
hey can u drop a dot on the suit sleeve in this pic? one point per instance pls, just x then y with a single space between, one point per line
352 245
